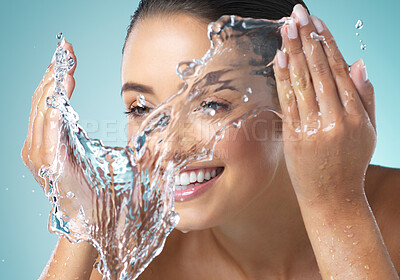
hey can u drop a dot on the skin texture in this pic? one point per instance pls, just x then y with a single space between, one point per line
275 212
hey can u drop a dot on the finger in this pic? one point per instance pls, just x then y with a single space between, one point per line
69 81
300 76
35 100
37 136
318 65
70 49
50 136
287 98
69 85
340 71
365 89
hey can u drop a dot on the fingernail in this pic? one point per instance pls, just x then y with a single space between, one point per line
282 59
363 70
301 14
317 23
63 41
292 30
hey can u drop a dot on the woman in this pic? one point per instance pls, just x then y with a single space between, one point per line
298 208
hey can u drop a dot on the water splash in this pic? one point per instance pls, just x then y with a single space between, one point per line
59 36
121 200
359 24
317 37
363 46
141 100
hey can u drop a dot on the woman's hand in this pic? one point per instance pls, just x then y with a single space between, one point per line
329 128
43 150
42 141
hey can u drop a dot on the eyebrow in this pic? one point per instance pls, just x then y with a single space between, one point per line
132 86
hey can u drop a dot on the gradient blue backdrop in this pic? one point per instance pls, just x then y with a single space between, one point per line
97 30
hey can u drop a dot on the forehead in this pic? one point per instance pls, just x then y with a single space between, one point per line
156 45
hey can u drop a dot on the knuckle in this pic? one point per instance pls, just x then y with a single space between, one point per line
370 89
303 82
282 76
340 68
296 50
320 68
24 153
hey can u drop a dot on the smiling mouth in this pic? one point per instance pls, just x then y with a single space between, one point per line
190 178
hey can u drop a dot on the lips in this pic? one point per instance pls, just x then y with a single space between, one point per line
193 182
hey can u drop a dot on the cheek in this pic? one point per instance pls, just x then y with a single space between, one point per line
257 143
132 128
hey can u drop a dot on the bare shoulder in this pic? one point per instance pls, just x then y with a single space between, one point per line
382 188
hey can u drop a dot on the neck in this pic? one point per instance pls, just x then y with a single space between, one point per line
269 235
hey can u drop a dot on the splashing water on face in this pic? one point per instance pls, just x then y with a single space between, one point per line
121 200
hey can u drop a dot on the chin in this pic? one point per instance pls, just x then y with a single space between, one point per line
194 219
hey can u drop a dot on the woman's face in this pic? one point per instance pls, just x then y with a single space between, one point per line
249 156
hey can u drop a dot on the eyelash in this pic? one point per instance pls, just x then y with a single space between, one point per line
210 104
133 111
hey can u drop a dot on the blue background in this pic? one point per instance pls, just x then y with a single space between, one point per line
97 30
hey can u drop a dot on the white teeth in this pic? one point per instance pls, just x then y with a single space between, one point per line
184 179
190 177
207 176
213 173
200 176
193 177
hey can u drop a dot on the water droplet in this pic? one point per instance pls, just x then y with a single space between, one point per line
70 195
359 24
366 267
210 112
363 47
33 190
40 214
141 101
249 91
348 199
23 176
59 36
3 260
349 227
245 98
357 34
237 124
6 189
355 243
317 37
350 235
219 124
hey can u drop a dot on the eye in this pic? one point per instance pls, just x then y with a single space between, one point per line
138 111
217 106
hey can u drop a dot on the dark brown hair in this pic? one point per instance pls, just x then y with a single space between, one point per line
212 10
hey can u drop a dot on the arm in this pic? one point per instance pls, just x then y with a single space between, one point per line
329 134
346 239
70 261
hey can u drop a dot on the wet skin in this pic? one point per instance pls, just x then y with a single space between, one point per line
256 222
